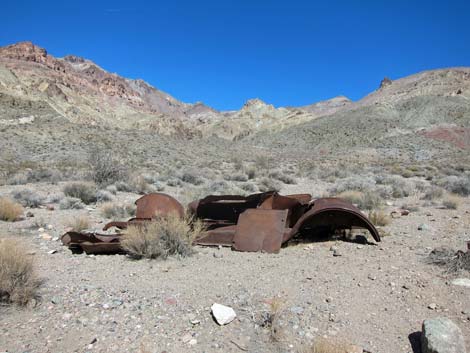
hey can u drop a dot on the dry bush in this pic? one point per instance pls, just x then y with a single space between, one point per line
18 281
452 261
79 224
113 210
268 184
353 196
71 203
104 196
456 184
83 191
191 177
379 218
271 318
28 198
161 238
433 192
10 211
139 185
324 345
451 202
106 169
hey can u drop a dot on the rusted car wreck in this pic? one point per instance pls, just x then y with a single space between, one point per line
258 222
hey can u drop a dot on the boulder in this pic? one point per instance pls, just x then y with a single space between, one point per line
441 335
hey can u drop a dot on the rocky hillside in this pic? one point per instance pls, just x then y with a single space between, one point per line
43 98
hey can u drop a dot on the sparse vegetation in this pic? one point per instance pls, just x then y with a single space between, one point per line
104 196
353 196
106 169
79 224
28 198
459 185
161 238
71 203
268 184
113 210
18 281
271 319
379 218
451 202
10 211
83 191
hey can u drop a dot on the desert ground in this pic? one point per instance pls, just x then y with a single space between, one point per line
373 295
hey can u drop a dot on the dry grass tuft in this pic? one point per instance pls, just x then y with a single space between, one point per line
379 218
113 210
79 224
9 211
451 202
271 318
324 345
353 196
164 237
18 281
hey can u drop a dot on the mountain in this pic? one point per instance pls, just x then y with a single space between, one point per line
63 107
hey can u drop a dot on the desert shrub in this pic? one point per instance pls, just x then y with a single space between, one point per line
433 192
459 185
278 175
268 184
122 186
371 200
54 198
402 188
174 182
191 177
83 191
359 183
43 174
353 196
71 203
17 179
112 189
18 281
451 202
104 196
106 169
140 185
28 198
248 187
113 210
262 161
379 218
250 171
238 176
79 224
10 211
237 163
161 238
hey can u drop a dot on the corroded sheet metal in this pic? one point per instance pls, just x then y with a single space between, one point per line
334 213
92 243
260 230
219 236
157 204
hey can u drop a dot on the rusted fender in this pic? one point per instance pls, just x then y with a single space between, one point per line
157 204
336 213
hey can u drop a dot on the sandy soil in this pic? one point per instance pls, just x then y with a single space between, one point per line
375 296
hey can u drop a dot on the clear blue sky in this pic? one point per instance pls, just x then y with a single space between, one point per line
287 53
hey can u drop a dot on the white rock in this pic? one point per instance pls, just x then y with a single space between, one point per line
223 314
49 226
464 282
41 230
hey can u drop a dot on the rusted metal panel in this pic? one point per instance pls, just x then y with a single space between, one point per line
222 236
260 230
157 204
334 213
92 243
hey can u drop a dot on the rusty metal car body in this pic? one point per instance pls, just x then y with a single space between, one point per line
258 222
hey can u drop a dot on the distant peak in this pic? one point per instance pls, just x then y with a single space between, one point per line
74 59
254 102
385 82
26 51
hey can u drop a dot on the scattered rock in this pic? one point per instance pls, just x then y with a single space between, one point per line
441 335
52 252
432 306
223 315
29 214
464 282
337 253
45 236
423 227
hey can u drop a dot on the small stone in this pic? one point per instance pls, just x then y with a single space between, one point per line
297 310
192 342
41 230
218 255
464 282
334 248
50 207
49 226
423 227
45 236
432 306
441 335
52 252
29 214
223 315
337 253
